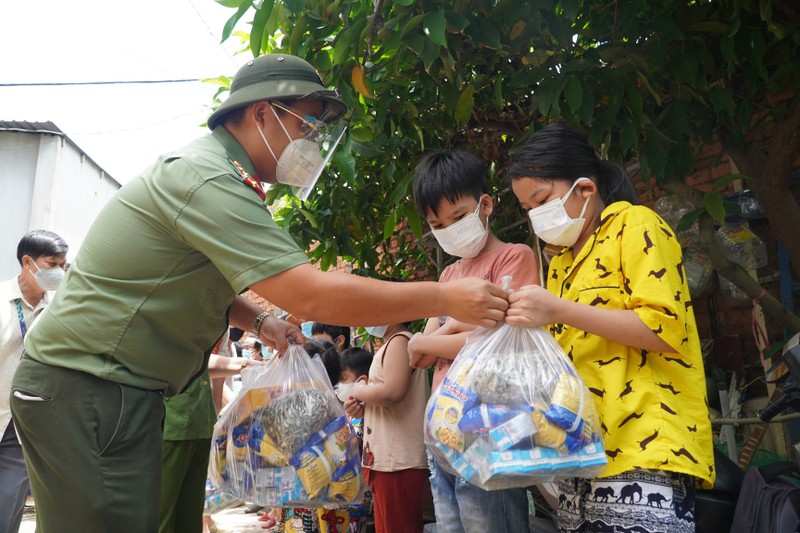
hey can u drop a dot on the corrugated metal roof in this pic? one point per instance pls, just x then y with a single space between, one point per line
47 128
32 127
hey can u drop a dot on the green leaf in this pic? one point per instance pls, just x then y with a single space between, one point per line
464 105
560 29
732 207
627 137
728 52
712 201
410 25
570 9
403 2
722 100
688 220
390 224
724 180
685 68
231 23
343 46
416 43
433 27
259 24
310 217
232 3
322 60
295 6
484 32
414 222
455 22
297 34
343 159
430 51
646 82
709 26
574 93
400 191
745 113
361 133
587 104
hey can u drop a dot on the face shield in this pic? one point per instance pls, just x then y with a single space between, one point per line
303 160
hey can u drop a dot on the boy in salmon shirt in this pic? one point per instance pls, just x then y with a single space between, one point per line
450 193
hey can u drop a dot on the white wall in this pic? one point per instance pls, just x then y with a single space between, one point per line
46 182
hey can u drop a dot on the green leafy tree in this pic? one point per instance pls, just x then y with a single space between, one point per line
650 82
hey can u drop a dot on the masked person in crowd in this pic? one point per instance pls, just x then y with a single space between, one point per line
158 279
43 257
338 335
617 302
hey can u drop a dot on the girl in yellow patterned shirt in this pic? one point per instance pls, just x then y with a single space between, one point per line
617 301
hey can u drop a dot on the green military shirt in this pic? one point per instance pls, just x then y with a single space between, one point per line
148 293
191 414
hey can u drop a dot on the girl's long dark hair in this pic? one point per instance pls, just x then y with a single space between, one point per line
557 151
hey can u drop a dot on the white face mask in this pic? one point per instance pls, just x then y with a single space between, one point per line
344 391
552 223
466 238
377 331
301 162
48 279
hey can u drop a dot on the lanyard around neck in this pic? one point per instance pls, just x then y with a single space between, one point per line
22 327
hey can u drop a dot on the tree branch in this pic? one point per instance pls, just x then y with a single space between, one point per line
374 21
771 168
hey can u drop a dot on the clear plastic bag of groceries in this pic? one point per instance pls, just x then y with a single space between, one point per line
513 411
285 439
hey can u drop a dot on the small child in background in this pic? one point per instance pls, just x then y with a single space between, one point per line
355 368
393 404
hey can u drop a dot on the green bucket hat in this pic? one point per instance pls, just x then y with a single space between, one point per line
275 77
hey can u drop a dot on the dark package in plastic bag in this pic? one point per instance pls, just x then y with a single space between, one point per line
513 411
285 439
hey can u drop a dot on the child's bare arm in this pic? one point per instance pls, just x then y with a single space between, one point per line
418 358
426 349
397 377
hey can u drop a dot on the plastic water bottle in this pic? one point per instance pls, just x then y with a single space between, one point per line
741 245
699 270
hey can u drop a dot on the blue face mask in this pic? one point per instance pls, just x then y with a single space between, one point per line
306 328
247 354
265 352
377 331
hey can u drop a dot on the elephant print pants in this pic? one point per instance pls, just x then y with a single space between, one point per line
637 500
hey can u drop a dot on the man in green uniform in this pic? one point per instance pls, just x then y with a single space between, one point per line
158 279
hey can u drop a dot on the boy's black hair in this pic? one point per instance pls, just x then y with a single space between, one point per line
330 358
447 175
333 331
558 151
357 360
41 243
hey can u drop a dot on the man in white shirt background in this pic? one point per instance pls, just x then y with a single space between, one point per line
42 256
